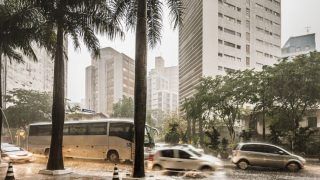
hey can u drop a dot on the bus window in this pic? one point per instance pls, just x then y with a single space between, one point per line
122 130
42 130
78 129
97 129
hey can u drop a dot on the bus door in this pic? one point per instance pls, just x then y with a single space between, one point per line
120 139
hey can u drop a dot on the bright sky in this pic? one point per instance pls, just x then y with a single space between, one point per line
296 16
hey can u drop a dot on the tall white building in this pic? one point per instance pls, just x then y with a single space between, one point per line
108 79
30 75
162 91
218 36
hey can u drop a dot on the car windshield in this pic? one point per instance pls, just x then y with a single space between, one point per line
195 152
11 149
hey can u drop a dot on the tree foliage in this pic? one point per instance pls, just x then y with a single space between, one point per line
27 106
124 108
281 94
172 136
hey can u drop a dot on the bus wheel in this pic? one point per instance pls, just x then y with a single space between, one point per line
46 152
113 156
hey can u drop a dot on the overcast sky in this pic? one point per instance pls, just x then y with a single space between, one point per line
296 16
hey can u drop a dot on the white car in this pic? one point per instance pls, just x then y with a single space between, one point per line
15 154
183 158
199 150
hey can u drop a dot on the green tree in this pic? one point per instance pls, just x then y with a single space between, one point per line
295 90
27 106
230 98
79 19
172 136
20 26
123 108
145 16
214 137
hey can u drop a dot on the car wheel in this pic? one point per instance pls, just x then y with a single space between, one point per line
113 156
293 167
243 164
206 168
156 167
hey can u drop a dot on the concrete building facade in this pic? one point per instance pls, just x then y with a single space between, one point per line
162 88
108 79
219 36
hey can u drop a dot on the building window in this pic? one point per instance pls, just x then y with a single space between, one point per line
220 68
229 44
229 31
247 12
248 37
220 54
228 57
248 24
312 122
248 61
248 49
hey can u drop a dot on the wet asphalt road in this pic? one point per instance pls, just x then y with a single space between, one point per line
101 170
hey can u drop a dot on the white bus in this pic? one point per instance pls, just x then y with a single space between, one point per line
110 139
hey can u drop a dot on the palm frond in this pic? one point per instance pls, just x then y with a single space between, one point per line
176 9
12 55
154 22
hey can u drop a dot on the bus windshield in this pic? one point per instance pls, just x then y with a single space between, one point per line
150 133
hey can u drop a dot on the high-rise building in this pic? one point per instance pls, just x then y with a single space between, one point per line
298 45
30 75
162 91
108 79
218 36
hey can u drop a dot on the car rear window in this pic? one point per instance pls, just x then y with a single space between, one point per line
167 153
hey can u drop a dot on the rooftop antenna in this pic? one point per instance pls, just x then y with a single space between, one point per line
308 29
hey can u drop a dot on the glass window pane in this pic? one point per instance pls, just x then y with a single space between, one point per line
122 130
97 129
78 129
184 155
167 153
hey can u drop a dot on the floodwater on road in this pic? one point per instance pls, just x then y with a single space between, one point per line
98 169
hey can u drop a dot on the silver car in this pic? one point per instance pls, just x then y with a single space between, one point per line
182 158
15 154
265 155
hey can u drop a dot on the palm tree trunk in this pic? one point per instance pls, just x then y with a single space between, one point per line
194 131
263 125
140 88
1 121
55 161
189 130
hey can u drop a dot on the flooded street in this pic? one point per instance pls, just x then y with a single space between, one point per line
96 169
